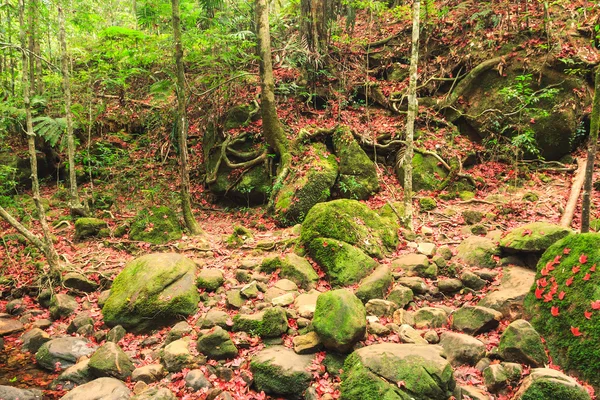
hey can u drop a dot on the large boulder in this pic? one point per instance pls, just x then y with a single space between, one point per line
292 267
462 349
397 371
357 177
157 225
476 251
100 389
355 224
533 238
475 320
63 352
13 393
427 173
280 372
308 184
216 344
547 383
152 291
564 304
541 99
376 285
340 320
9 326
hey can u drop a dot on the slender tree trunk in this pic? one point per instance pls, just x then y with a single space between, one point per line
48 247
182 126
271 126
413 108
75 205
10 52
591 155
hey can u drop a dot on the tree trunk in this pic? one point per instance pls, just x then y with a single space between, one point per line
182 126
271 126
74 204
48 247
591 155
413 108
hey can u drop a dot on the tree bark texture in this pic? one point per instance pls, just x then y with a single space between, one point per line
48 247
182 126
413 108
591 156
64 63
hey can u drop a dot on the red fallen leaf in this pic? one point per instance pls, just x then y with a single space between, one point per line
575 331
550 267
576 269
583 259
527 232
538 293
553 290
596 305
593 269
566 250
557 259
544 272
561 295
569 281
587 277
587 314
542 282
548 297
554 311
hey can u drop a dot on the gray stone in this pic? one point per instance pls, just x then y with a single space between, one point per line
472 281
521 343
416 284
381 308
116 334
77 281
63 352
210 279
33 339
475 320
402 316
178 331
462 349
148 373
307 344
272 322
82 319
533 238
549 383
196 380
100 389
476 251
176 355
306 303
13 393
401 295
410 335
77 374
508 299
498 376
415 265
427 249
15 307
451 285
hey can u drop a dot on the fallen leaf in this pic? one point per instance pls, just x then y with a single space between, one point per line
583 259
554 311
575 331
587 314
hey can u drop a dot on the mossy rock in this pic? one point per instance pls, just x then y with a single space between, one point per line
521 343
268 324
374 373
279 371
340 320
357 177
478 251
90 227
152 291
556 269
427 203
298 270
157 225
533 238
355 224
342 263
546 383
555 127
427 173
310 183
111 361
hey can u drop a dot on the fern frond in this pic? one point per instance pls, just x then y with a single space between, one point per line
50 129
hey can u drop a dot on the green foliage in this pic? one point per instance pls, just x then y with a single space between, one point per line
50 129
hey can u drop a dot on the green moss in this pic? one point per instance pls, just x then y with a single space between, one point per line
580 354
427 203
359 383
427 174
357 174
307 185
356 224
270 379
546 389
466 195
270 323
89 227
157 225
533 237
344 264
334 363
270 265
152 290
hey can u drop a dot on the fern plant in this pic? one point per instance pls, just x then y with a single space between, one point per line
50 129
